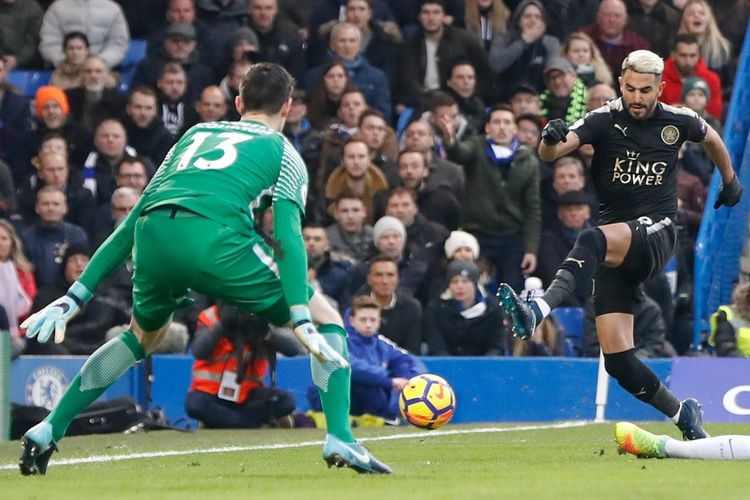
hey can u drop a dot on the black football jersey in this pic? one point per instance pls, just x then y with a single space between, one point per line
634 164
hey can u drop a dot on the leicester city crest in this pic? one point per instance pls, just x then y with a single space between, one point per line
670 134
45 386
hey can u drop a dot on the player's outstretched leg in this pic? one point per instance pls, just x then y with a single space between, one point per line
341 448
102 369
632 439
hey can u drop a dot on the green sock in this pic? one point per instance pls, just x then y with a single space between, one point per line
336 400
102 369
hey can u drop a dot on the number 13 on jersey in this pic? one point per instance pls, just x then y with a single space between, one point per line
205 143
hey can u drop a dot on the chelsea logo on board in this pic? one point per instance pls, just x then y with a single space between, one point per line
45 386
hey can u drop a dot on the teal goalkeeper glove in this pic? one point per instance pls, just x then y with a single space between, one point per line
314 342
56 315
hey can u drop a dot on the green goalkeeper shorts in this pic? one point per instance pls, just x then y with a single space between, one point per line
176 250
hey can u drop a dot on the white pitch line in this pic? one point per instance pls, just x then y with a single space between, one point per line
281 446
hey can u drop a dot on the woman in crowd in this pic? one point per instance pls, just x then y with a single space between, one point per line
326 97
487 19
69 72
716 51
17 284
586 58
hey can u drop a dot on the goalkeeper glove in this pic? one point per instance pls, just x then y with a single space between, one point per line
308 336
729 194
57 314
555 132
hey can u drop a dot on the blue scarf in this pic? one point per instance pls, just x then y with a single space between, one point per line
501 156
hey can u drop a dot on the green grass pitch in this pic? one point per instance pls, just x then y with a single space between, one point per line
526 461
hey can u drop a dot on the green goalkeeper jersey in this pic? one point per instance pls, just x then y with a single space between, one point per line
229 172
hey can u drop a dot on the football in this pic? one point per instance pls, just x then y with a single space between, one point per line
427 401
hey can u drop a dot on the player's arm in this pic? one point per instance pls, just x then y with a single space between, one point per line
731 189
557 140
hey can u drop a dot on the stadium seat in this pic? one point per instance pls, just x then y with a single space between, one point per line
403 120
570 320
28 82
125 78
136 51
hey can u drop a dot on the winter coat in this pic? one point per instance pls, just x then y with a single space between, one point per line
102 21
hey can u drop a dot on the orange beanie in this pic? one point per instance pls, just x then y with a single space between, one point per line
44 94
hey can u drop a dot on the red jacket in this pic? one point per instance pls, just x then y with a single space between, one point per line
207 373
672 93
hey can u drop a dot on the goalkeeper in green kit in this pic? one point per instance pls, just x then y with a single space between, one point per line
193 228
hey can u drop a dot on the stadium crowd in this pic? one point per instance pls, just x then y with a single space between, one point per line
425 228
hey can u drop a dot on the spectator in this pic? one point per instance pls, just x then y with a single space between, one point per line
426 59
599 95
68 73
418 136
487 19
581 51
110 146
86 332
462 87
53 170
435 198
243 46
572 216
654 20
325 97
460 245
382 141
464 320
732 16
279 41
180 47
716 51
443 107
103 22
45 241
210 107
353 104
567 175
424 238
230 87
401 313
122 203
530 133
524 100
519 57
729 325
303 136
132 172
17 284
20 23
685 62
380 369
566 95
614 39
145 131
350 234
14 126
501 201
231 350
183 11
356 173
7 192
95 99
173 99
696 95
332 268
52 114
372 82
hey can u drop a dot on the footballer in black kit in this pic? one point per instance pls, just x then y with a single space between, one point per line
636 140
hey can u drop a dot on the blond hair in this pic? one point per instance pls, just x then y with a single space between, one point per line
716 50
16 247
643 61
602 73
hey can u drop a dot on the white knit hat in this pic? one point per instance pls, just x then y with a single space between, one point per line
458 239
386 223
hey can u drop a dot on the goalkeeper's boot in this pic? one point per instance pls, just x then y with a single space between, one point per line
37 447
352 455
523 320
632 439
691 420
